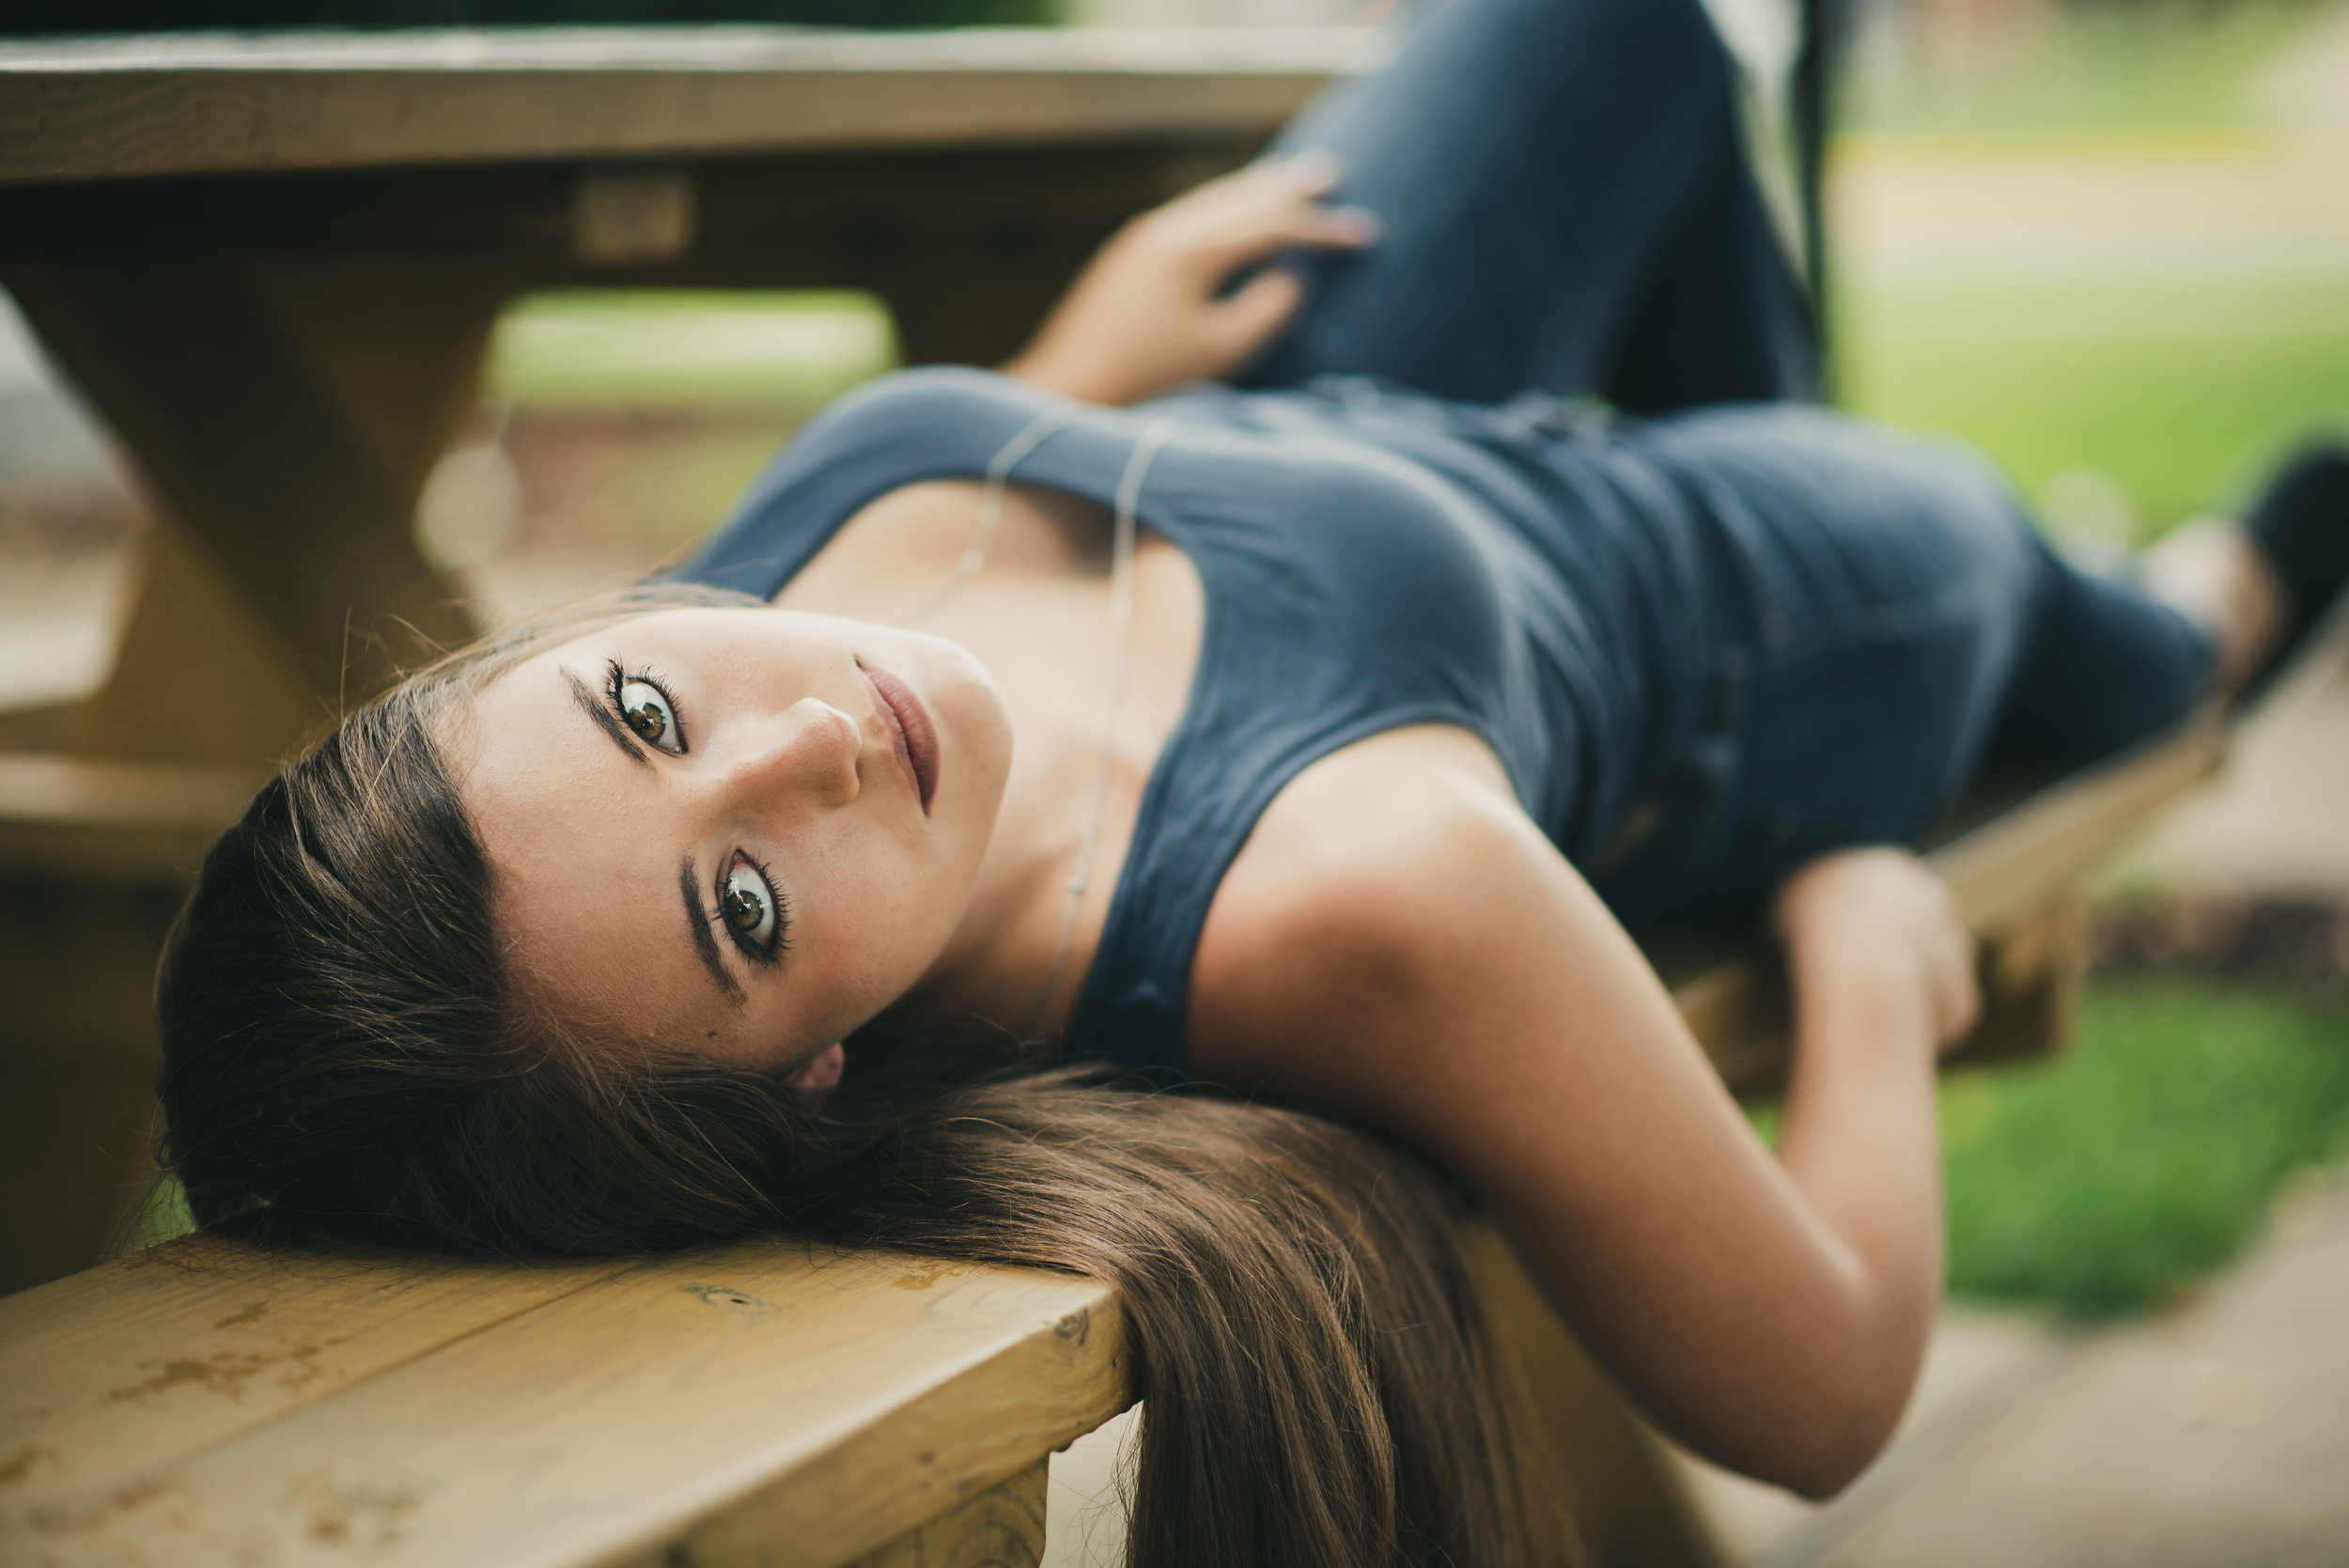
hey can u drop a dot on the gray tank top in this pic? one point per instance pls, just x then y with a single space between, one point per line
1370 559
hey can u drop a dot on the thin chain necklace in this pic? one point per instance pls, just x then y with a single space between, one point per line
1123 531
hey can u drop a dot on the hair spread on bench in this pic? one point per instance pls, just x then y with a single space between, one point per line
344 1057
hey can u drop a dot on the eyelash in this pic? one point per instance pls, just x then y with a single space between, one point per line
616 681
771 952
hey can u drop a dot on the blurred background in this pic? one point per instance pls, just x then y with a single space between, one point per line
2104 240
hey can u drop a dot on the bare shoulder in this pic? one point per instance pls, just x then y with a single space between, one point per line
1381 885
1399 943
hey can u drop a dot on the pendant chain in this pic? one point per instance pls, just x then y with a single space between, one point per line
1122 534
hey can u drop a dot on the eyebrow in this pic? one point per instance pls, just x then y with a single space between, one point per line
596 709
689 888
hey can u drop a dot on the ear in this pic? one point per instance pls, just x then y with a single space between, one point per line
820 1073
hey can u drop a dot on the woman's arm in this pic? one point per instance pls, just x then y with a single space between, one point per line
1150 311
1399 943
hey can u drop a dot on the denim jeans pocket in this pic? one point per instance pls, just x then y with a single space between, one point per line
1855 734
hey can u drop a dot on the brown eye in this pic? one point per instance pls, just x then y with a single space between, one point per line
746 904
648 714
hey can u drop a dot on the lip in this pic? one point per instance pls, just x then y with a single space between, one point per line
909 726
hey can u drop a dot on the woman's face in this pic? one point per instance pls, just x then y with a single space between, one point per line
742 831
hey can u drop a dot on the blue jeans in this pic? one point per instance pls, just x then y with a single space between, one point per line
1567 209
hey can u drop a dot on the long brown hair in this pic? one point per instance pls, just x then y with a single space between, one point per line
343 1055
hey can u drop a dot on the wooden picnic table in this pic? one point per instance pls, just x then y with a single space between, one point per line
272 263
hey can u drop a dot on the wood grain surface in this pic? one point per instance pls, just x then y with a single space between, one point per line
680 1408
133 1366
163 105
1002 1528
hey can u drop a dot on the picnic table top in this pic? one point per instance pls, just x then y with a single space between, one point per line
103 109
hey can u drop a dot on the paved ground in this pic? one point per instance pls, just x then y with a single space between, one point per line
2214 1437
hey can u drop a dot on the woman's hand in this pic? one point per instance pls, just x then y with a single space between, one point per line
1149 311
1877 919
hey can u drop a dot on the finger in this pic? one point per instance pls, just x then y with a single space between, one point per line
1307 177
1247 319
1312 170
1960 999
1260 186
1964 1012
1259 234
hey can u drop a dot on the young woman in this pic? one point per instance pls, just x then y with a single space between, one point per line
1314 745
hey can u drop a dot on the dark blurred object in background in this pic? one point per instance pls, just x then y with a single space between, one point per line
2300 941
156 16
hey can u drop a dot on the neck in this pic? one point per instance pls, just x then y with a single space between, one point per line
992 974
1040 618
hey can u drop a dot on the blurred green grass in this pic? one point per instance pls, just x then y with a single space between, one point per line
699 350
2179 392
2074 69
2112 1179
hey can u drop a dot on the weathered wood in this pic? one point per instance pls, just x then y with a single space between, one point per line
124 1370
83 110
1001 1528
766 1402
1600 1490
2006 870
285 417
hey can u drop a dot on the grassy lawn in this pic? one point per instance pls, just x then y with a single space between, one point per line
2080 69
2178 393
2172 392
2112 1179
700 352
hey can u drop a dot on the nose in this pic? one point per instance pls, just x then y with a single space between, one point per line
809 750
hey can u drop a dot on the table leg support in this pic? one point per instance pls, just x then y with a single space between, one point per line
1600 1491
1001 1527
285 413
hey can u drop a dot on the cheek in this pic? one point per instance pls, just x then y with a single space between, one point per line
877 916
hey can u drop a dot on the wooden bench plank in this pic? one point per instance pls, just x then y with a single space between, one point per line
2009 868
684 1409
132 1366
2016 876
73 818
196 104
1001 1527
